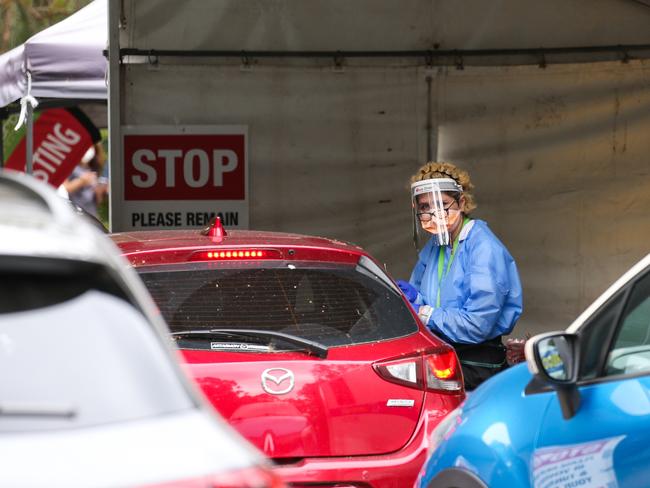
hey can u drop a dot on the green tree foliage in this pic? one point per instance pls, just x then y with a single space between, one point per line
21 19
10 136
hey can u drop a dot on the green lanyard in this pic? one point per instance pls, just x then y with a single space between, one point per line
441 261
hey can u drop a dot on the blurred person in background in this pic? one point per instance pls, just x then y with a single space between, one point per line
86 187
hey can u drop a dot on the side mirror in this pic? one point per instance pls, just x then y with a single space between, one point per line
553 359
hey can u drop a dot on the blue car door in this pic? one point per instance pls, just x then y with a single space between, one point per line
606 443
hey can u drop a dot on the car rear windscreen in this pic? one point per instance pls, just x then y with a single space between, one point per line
330 304
75 352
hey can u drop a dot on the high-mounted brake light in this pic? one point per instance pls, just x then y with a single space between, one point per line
235 254
434 371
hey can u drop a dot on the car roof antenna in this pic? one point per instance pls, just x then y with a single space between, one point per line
215 230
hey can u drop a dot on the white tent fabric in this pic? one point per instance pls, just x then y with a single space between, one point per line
65 60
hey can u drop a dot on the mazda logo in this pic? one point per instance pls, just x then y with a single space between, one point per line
277 381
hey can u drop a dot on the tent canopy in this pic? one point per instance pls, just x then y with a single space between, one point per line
64 60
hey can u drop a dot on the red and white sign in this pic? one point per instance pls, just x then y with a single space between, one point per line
182 176
185 167
60 141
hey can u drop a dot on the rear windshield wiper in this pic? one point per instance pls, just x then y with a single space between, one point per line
315 347
11 409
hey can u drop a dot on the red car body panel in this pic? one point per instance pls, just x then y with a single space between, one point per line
337 423
158 247
393 470
332 398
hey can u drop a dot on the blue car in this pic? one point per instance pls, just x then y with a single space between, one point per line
576 414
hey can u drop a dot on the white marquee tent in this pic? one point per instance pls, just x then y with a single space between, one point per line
64 61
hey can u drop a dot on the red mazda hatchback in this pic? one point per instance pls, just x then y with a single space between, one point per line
306 347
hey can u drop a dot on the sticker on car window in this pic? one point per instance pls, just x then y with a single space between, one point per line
586 465
237 346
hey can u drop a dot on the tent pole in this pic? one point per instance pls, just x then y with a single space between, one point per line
2 140
29 149
429 124
116 212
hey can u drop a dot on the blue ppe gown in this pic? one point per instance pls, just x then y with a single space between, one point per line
480 296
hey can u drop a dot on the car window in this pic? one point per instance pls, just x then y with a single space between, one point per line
331 304
31 283
595 335
630 352
74 352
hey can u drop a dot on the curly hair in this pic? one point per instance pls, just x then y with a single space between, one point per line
441 169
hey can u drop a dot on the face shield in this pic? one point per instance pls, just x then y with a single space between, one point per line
436 209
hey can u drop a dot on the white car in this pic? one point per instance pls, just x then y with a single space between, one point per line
90 392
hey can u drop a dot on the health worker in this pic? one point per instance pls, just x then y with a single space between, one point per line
465 286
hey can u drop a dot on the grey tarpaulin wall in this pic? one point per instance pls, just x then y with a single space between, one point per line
64 61
344 100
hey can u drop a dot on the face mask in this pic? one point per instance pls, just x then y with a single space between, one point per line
453 217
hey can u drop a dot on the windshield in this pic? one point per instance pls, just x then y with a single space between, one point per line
74 352
331 304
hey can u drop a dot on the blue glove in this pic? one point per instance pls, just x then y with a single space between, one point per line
408 289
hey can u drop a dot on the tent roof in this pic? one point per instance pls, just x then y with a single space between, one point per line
65 60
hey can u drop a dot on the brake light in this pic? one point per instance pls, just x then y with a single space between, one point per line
443 371
232 254
255 477
437 370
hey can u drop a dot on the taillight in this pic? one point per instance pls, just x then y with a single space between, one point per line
407 372
436 370
443 371
255 477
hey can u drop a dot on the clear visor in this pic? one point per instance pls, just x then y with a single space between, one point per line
435 204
